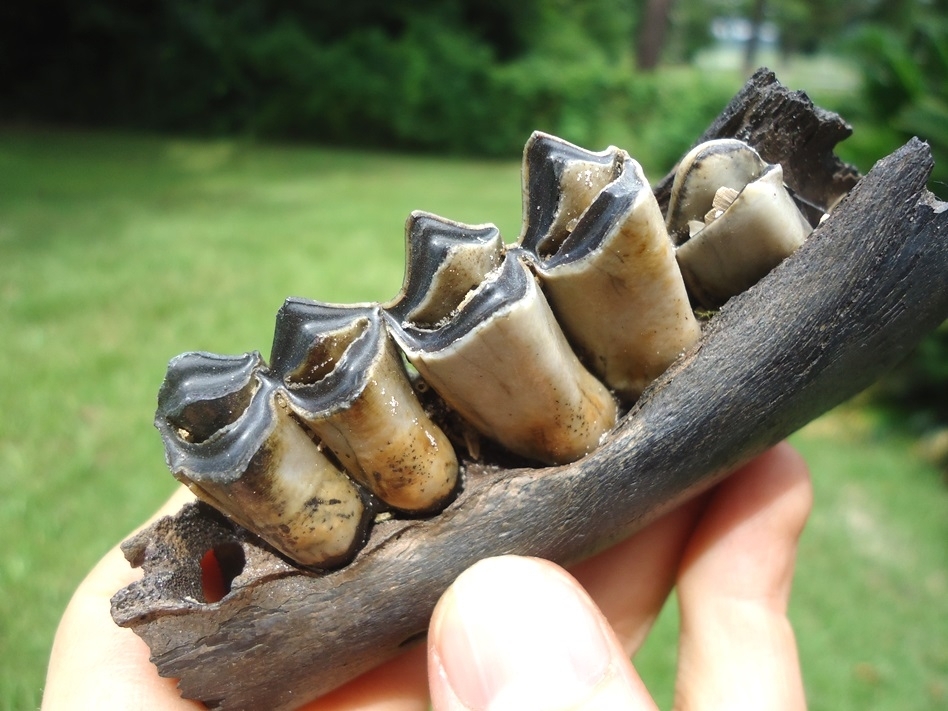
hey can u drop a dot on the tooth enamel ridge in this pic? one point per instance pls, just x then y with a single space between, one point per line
612 281
537 346
445 261
723 162
258 467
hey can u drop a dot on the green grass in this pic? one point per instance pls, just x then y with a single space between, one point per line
869 602
118 252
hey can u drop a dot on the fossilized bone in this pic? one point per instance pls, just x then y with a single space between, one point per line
846 306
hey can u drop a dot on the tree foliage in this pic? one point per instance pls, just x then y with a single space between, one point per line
454 75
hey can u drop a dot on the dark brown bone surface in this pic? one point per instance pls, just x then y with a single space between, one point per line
860 293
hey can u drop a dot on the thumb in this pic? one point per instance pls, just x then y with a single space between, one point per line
516 633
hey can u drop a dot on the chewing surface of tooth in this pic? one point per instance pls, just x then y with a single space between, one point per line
444 261
568 178
614 285
706 168
757 230
253 462
504 365
346 381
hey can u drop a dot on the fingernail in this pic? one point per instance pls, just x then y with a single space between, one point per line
511 629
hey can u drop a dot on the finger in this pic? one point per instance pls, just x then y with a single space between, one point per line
518 633
94 664
737 649
398 685
630 581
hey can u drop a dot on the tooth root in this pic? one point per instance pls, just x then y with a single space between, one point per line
504 365
760 228
346 381
229 438
704 169
613 283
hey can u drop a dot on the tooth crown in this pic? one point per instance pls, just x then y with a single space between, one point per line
345 381
229 437
611 279
733 218
533 346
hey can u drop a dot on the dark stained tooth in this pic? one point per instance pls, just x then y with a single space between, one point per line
607 265
559 181
501 361
346 381
230 438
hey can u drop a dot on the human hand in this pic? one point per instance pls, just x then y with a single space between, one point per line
521 633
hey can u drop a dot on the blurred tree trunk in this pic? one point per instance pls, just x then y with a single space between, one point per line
753 42
651 39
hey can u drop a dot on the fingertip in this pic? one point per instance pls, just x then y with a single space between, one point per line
514 630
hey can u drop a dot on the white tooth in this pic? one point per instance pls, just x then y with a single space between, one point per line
757 230
503 364
724 162
230 438
346 381
613 282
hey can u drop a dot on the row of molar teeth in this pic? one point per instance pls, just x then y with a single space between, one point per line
533 345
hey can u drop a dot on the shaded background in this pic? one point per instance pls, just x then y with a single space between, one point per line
170 171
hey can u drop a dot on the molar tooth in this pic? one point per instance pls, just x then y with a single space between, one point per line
705 168
757 230
612 281
229 437
346 381
501 361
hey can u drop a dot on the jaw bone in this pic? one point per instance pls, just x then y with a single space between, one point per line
499 358
474 322
229 437
345 380
605 262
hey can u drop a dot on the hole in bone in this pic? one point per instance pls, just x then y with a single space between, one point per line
199 421
324 354
220 566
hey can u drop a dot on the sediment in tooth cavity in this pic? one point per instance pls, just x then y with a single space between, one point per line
230 438
744 235
500 360
346 381
605 261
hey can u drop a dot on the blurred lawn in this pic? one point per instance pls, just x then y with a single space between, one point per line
118 252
